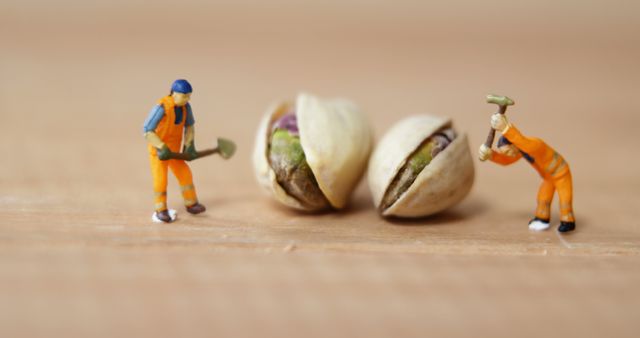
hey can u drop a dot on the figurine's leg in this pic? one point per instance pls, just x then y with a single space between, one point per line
182 172
185 178
564 185
545 196
543 211
159 173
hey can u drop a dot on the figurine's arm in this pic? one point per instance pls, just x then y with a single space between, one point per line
189 130
154 139
524 143
502 159
150 125
189 136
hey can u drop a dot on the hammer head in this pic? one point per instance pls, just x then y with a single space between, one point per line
501 101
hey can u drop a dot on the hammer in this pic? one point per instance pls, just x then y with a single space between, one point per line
503 102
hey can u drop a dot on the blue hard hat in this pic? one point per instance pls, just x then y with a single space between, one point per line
181 86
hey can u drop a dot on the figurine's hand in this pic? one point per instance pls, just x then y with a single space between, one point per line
191 151
484 153
163 153
499 122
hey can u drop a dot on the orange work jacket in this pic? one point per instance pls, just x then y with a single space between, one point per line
547 162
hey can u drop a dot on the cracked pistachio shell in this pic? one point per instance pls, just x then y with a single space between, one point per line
441 184
336 139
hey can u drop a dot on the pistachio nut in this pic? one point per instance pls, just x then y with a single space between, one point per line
421 166
311 154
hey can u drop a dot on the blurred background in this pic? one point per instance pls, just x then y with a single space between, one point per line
79 256
83 76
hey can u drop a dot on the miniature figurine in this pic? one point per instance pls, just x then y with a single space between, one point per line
551 166
164 128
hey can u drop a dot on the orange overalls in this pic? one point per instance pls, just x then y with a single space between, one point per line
550 165
171 134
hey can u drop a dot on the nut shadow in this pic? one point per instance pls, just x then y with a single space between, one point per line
287 211
359 203
469 208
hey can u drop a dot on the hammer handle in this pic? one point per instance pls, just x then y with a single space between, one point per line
492 133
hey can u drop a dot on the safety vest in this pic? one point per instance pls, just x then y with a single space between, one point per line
169 132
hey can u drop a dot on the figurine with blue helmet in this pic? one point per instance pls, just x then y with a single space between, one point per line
170 124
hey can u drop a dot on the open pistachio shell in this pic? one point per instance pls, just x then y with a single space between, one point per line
336 140
445 181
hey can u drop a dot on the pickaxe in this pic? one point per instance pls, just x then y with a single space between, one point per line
226 149
503 102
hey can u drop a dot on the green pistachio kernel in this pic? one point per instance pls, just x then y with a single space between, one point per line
417 161
293 172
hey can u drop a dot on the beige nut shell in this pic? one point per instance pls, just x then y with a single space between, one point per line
441 184
336 139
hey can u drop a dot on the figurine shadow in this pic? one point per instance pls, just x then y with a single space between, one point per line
217 202
470 208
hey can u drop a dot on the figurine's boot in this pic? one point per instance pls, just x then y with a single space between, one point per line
191 200
567 226
538 224
164 216
196 208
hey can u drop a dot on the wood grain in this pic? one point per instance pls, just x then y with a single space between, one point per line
79 255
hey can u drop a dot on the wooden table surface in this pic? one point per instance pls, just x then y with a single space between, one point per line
79 255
